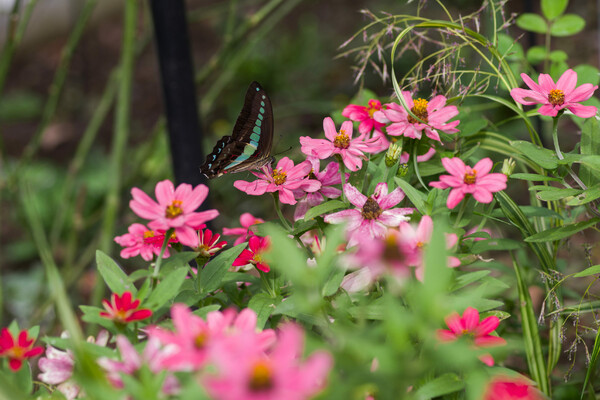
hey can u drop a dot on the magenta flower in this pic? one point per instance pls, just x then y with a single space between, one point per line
364 115
245 372
434 113
466 180
413 242
253 255
57 367
122 310
189 345
351 150
510 388
143 241
243 233
208 243
328 177
286 179
556 96
132 361
469 326
372 214
176 208
17 348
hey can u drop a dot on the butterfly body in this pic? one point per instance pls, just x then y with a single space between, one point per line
249 146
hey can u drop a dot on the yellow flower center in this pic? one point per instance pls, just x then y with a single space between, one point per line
470 177
148 234
16 352
279 176
311 174
372 108
556 97
174 210
342 141
261 377
420 110
371 209
257 258
420 244
200 340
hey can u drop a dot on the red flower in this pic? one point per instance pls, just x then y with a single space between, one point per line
122 310
469 325
18 350
504 388
208 243
254 255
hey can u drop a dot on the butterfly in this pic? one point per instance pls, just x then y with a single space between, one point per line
249 146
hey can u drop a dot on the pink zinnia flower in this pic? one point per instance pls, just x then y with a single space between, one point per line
328 177
253 255
469 326
285 179
176 208
208 243
466 180
372 214
17 348
351 150
245 372
246 220
57 367
434 113
132 361
143 241
405 157
189 345
506 388
556 96
364 115
122 310
413 242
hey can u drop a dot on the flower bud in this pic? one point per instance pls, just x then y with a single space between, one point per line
402 170
508 166
393 155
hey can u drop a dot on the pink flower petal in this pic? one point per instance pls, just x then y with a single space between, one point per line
354 196
329 128
164 192
455 197
483 166
567 81
583 111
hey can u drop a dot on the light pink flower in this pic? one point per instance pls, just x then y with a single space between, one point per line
208 243
413 242
434 113
405 157
286 179
328 177
254 254
247 373
509 388
351 150
57 367
188 347
176 208
132 361
143 241
244 233
372 214
466 180
469 325
556 96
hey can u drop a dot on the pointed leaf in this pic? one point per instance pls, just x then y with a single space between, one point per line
116 279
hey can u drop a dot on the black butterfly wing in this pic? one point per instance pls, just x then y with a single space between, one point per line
249 146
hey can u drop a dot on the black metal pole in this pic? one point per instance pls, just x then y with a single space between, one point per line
179 93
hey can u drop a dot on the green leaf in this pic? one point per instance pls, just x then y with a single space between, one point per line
552 193
561 232
324 208
553 8
532 22
167 288
213 272
415 196
591 368
263 305
531 211
588 195
473 127
590 145
445 384
593 270
332 284
543 157
301 226
113 275
176 261
567 25
537 54
495 244
535 177
558 56
587 74
468 278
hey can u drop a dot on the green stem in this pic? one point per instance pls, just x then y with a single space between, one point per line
283 220
158 262
461 211
342 176
555 137
267 284
413 156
